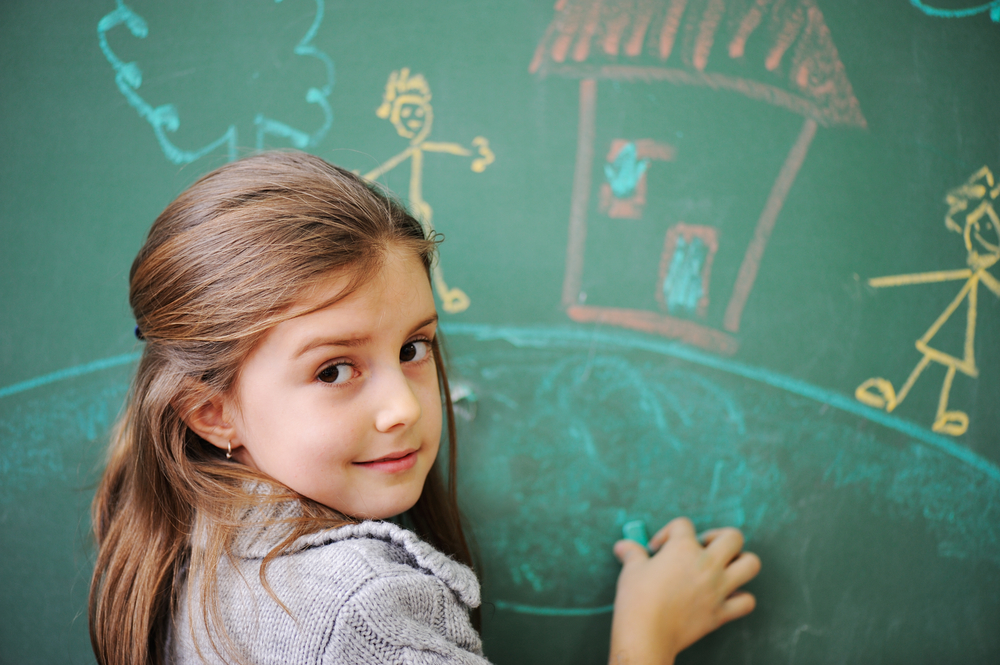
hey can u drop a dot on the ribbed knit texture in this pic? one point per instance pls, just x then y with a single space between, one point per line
366 593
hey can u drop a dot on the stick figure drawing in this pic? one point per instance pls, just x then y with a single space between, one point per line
407 105
980 230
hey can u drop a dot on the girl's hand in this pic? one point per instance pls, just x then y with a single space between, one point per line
687 589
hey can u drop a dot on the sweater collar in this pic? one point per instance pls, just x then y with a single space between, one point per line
265 530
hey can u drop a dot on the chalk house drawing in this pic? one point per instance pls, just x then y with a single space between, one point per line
407 105
785 57
165 119
973 215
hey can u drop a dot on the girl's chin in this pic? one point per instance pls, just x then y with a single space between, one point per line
387 508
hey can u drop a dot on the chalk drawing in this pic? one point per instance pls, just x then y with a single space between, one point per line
559 337
585 441
623 192
678 41
624 171
522 608
69 373
666 433
686 269
684 286
992 7
980 230
165 119
601 439
556 337
407 105
48 438
796 66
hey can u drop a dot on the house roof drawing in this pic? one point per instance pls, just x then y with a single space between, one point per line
778 51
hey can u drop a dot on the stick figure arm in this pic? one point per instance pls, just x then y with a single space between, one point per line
920 278
990 282
388 165
450 148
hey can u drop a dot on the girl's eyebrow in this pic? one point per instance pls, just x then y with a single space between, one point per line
354 342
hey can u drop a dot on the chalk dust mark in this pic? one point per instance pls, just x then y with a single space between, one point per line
716 478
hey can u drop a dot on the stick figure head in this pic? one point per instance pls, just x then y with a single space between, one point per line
981 225
407 104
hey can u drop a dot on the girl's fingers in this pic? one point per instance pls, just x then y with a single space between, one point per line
725 543
743 569
706 537
738 605
675 528
628 551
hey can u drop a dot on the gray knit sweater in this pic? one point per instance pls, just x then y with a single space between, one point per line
365 593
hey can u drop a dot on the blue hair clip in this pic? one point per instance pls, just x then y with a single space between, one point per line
138 334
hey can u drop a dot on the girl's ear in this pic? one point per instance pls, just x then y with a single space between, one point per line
211 422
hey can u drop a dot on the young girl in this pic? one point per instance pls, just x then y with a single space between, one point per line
288 402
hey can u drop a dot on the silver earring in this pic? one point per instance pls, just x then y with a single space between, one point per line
229 449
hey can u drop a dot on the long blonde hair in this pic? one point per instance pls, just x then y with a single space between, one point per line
221 266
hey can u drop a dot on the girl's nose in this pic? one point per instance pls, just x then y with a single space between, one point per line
397 403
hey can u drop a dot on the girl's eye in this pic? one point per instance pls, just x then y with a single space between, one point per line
415 351
334 374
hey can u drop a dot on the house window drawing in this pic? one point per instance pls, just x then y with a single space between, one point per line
714 64
685 270
623 192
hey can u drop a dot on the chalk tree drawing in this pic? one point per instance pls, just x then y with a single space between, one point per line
992 7
407 105
165 118
980 231
791 62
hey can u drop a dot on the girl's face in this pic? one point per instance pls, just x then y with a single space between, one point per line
342 404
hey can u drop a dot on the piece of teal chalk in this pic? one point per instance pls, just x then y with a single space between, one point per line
636 530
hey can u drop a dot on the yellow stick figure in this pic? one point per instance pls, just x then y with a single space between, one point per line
407 104
981 232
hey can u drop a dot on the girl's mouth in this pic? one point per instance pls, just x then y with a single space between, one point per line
392 463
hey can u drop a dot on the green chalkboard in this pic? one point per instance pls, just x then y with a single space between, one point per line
734 259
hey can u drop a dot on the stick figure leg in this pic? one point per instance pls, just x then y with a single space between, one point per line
453 300
949 422
879 393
